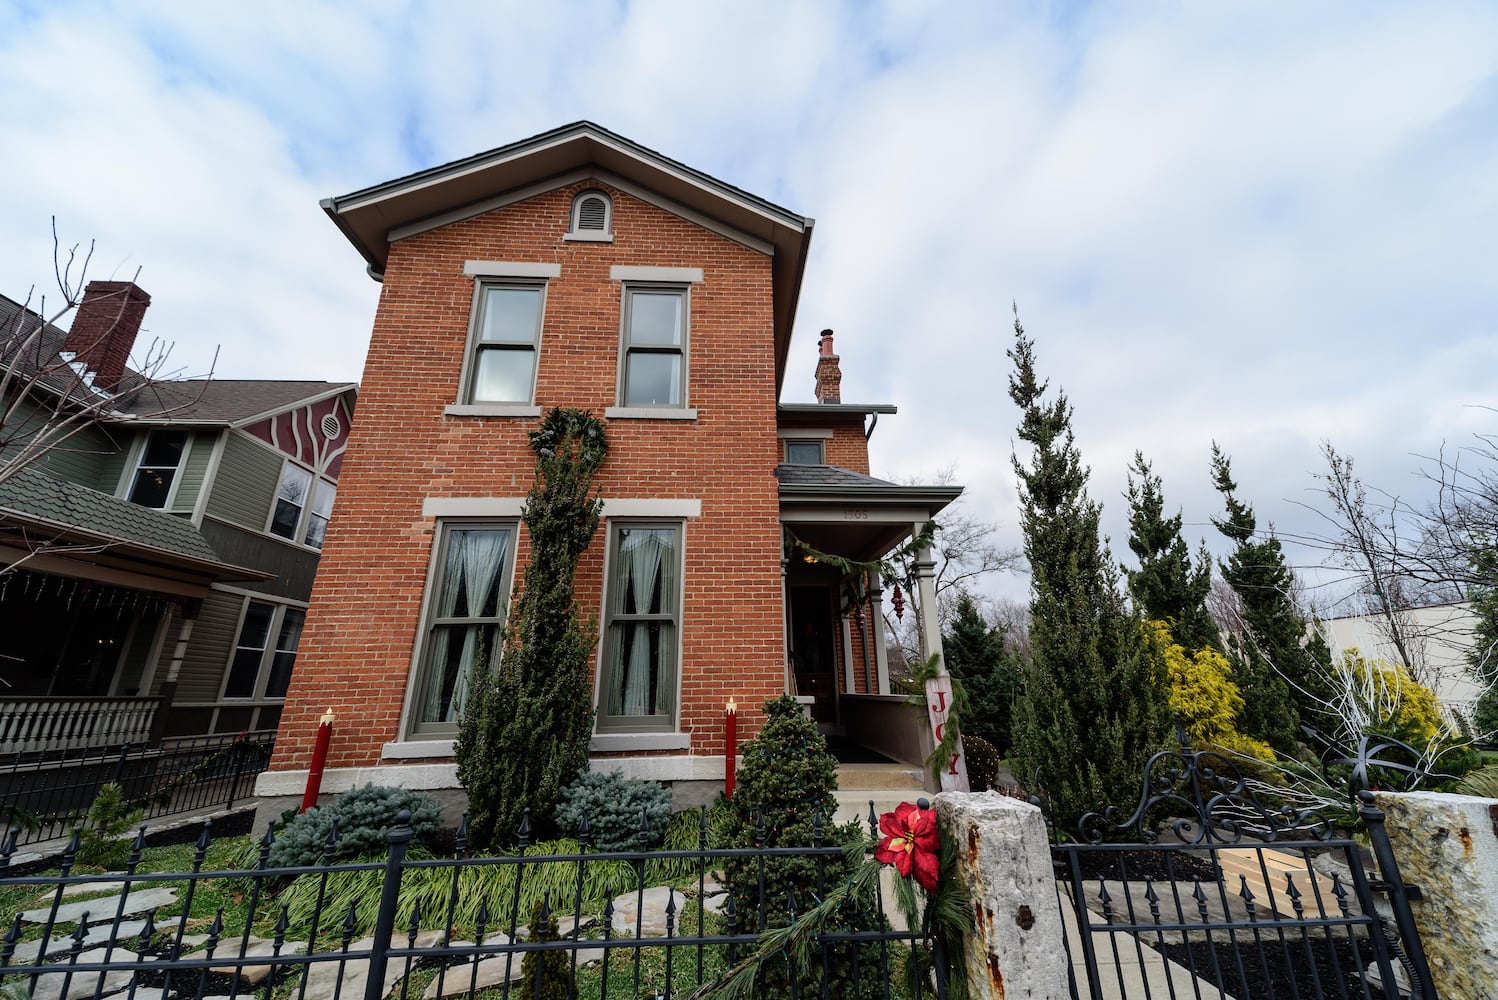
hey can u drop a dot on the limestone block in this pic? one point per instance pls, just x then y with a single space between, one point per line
1448 846
1004 860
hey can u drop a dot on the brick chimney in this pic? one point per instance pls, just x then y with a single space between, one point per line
829 375
104 331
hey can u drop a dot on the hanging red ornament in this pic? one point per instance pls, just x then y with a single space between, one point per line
899 602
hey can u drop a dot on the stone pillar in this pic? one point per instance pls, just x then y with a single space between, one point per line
1018 948
1448 846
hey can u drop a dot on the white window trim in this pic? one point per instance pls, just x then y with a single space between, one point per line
490 410
672 275
511 508
418 647
574 211
511 269
127 487
471 345
267 655
603 621
785 450
654 411
300 533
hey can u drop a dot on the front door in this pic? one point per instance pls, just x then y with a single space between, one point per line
814 647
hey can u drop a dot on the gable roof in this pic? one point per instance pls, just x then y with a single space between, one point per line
139 399
373 217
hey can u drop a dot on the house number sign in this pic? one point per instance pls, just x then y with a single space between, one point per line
938 707
855 513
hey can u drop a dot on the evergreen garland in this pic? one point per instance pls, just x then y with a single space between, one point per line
524 734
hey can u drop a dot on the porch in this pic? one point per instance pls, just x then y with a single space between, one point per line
837 524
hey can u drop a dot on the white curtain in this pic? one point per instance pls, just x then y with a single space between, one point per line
645 580
471 569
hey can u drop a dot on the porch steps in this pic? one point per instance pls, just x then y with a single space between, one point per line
886 785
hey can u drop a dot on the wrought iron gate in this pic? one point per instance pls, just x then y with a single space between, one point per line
1233 899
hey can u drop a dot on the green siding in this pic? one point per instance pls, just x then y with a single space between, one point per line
79 459
207 656
294 566
193 472
245 486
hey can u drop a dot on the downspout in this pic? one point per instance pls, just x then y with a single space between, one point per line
873 422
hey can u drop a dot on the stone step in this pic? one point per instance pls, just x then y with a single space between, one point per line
854 803
879 776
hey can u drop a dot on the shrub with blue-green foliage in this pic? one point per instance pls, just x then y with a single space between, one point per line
613 805
364 816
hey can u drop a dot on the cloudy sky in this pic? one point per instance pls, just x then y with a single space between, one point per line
1261 224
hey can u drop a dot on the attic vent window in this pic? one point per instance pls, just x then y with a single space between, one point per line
592 218
330 425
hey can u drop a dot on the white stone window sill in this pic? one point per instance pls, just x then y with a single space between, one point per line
491 410
650 413
589 237
416 749
625 742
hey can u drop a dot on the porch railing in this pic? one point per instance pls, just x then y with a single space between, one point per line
34 724
44 795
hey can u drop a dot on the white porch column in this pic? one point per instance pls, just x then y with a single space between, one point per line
928 621
881 654
785 616
845 628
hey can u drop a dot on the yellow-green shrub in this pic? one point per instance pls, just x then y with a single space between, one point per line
1395 703
1202 692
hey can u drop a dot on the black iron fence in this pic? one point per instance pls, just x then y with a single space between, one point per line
1220 895
409 925
45 794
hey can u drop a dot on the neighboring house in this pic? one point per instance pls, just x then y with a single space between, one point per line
155 565
579 269
1439 637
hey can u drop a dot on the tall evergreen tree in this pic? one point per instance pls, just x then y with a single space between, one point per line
1093 702
1484 657
1167 586
978 656
525 731
1280 674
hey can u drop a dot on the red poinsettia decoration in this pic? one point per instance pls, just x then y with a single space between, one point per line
910 843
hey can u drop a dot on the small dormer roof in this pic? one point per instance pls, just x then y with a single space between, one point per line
374 217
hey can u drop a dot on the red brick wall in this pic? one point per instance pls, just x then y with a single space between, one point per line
848 448
356 653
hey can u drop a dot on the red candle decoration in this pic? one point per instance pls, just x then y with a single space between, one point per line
319 761
730 745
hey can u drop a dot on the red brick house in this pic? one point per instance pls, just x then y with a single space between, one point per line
580 269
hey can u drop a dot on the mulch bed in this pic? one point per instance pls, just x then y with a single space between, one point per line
1268 974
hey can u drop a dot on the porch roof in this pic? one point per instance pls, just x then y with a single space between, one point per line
852 514
36 500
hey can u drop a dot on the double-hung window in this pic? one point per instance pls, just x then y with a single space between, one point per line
465 617
159 461
304 503
265 651
506 330
638 689
655 346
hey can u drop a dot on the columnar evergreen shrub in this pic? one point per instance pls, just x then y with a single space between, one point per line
978 656
1094 698
525 730
1169 586
551 967
614 805
786 780
364 816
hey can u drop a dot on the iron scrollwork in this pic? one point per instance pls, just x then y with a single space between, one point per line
1207 799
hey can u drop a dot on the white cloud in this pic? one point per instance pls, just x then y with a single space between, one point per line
1260 226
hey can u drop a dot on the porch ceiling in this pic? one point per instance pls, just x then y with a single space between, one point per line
855 516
